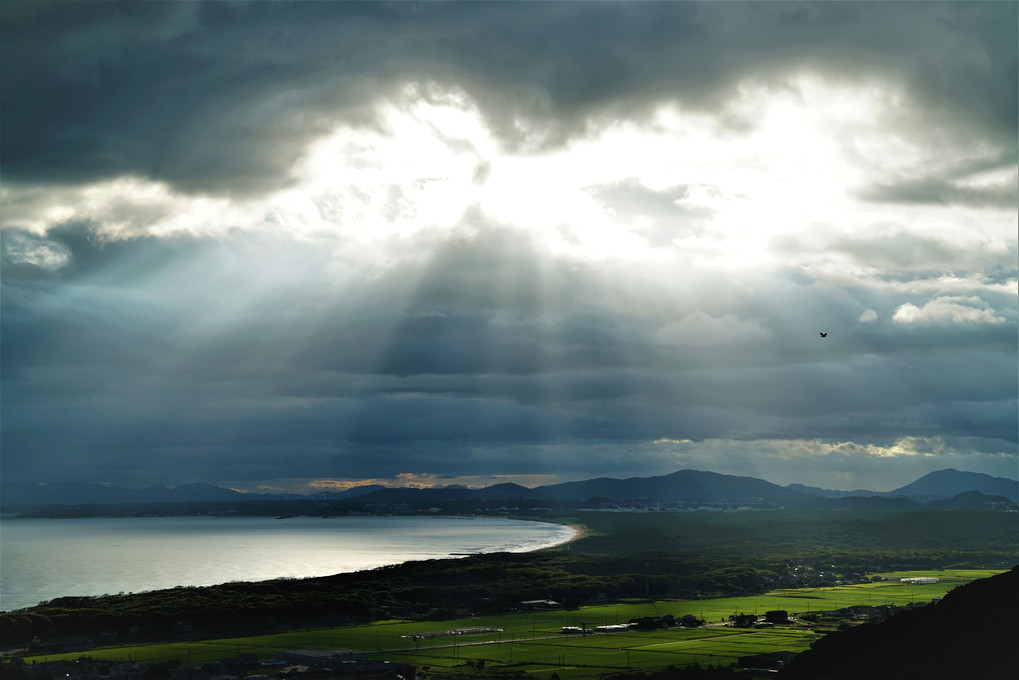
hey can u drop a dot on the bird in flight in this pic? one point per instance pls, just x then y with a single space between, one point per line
824 335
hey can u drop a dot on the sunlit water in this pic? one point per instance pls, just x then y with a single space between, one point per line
41 559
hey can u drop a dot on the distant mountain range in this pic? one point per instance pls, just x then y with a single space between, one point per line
933 486
684 486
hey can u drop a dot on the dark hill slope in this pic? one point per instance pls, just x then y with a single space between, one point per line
971 500
682 485
831 493
948 483
356 491
972 633
504 491
685 485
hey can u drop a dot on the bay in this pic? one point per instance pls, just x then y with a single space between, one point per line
41 559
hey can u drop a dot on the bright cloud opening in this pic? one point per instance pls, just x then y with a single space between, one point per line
948 309
430 158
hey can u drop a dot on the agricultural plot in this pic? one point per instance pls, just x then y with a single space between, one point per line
532 642
576 657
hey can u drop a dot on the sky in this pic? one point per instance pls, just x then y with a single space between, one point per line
309 245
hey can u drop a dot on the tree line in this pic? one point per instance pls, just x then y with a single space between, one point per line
625 555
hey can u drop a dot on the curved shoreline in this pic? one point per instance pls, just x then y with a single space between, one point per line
551 536
580 531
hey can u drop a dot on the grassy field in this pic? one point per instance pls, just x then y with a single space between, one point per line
531 642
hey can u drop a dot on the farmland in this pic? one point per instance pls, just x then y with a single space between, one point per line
531 642
624 566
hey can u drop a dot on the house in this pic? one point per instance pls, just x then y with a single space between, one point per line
777 616
743 620
539 604
690 621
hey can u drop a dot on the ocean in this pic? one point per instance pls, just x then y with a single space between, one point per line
41 559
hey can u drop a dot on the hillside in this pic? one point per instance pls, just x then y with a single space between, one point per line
684 487
969 634
831 493
681 485
946 483
938 485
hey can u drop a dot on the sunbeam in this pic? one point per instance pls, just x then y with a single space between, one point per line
441 243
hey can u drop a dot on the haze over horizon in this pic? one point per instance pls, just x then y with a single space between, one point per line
309 245
314 487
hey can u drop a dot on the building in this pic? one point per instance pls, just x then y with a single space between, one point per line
539 604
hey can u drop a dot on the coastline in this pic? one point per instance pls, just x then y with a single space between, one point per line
30 594
580 532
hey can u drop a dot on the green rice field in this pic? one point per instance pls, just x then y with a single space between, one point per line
532 642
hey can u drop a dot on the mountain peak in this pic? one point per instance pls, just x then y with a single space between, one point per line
947 483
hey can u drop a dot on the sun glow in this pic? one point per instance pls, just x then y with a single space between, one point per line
709 190
403 480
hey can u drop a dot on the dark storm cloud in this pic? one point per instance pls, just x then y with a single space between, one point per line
104 89
427 370
900 254
472 347
939 191
222 97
